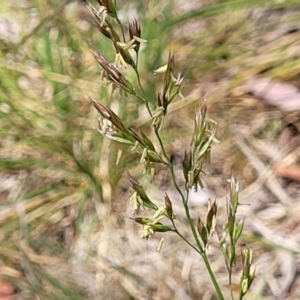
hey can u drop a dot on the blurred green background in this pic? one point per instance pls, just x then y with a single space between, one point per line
64 232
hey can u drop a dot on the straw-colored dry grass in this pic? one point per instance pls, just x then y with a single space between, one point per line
65 228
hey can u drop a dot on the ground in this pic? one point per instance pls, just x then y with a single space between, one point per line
66 231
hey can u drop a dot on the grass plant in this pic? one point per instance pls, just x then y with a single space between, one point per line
66 231
112 127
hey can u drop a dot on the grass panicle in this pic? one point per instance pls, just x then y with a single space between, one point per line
192 164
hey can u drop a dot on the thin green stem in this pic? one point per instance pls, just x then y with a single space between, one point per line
184 200
137 60
183 238
148 108
232 250
120 25
230 282
146 103
161 144
138 78
191 224
213 278
201 251
141 98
